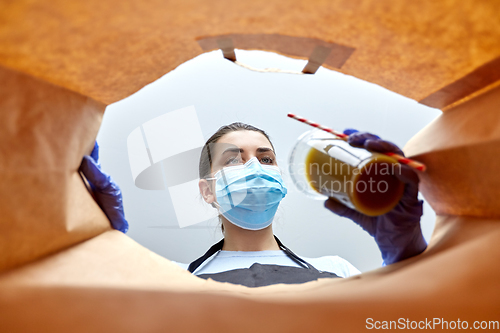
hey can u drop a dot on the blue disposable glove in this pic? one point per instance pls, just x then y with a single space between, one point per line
397 233
107 194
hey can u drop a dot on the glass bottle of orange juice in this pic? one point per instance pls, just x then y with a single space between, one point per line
322 165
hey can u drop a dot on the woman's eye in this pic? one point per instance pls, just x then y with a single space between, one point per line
266 160
232 160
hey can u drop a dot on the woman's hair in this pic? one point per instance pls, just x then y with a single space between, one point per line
205 167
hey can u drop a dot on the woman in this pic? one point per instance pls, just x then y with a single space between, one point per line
239 177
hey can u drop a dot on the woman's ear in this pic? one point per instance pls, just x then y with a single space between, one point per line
206 191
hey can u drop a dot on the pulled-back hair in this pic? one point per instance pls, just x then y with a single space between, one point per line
205 167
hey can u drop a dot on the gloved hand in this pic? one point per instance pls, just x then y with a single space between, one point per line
107 194
397 233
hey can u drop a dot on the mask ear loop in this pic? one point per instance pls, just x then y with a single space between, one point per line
215 203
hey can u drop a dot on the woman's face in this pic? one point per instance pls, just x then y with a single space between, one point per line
238 147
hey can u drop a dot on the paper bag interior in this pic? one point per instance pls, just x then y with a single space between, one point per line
63 268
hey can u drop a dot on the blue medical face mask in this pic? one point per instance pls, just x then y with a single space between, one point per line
248 195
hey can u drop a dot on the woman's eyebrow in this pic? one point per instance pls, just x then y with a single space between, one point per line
241 150
232 150
264 149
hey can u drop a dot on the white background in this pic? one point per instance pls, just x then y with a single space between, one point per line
223 92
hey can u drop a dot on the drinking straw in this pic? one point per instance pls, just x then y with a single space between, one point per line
401 159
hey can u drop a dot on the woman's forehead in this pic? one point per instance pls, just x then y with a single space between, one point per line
245 139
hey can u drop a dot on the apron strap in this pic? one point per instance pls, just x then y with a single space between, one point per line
217 247
214 249
301 262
